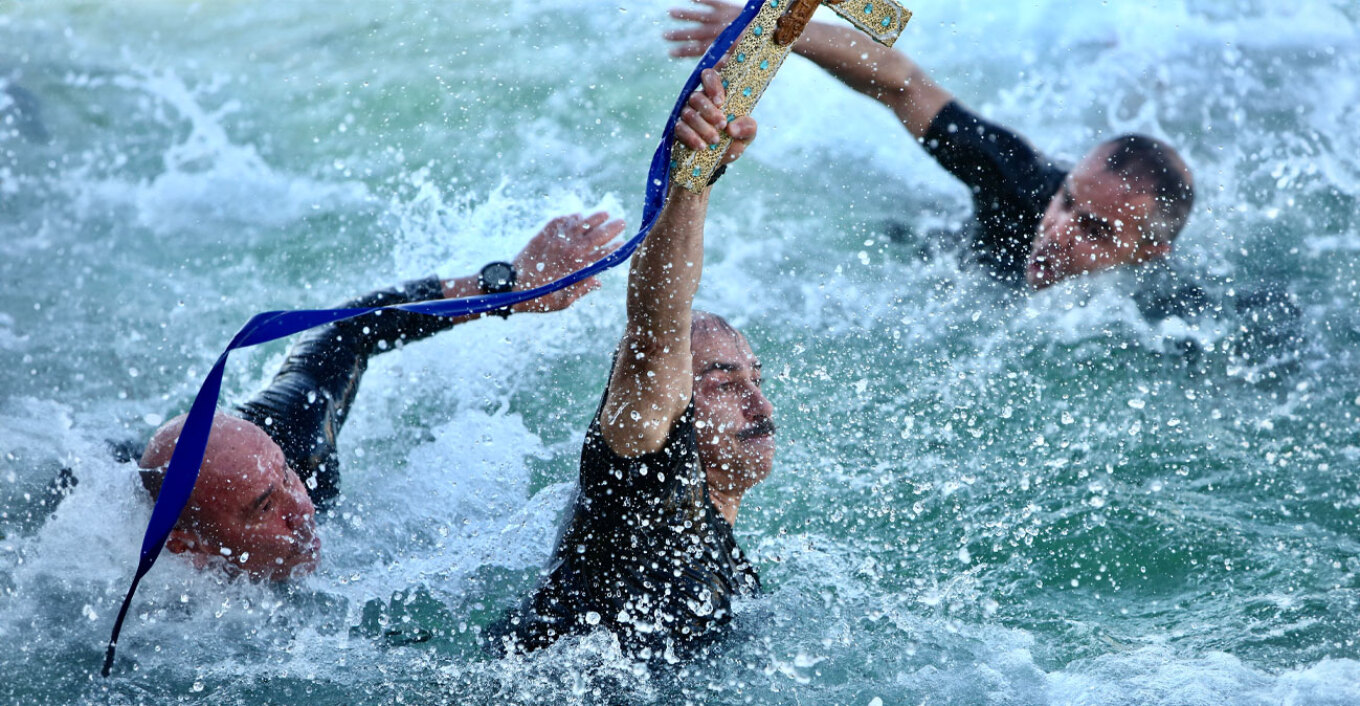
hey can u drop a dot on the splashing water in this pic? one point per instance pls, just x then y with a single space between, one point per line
977 500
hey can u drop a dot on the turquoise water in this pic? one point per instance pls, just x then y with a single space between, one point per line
977 499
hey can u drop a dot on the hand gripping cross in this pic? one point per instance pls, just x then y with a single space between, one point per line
759 53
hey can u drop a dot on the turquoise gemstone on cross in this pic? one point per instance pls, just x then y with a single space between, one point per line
764 64
869 9
746 92
758 31
725 84
674 164
741 58
887 22
774 4
731 117
697 171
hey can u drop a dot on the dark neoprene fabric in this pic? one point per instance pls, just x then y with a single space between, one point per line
643 553
305 405
1011 183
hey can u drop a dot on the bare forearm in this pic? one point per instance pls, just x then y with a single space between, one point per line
459 288
665 272
653 375
886 75
855 60
652 382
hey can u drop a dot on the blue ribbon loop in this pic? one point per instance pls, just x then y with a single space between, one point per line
182 473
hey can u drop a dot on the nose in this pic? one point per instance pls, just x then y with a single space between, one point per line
758 405
1059 232
300 514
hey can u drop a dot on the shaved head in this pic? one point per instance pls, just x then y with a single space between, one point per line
1153 167
248 511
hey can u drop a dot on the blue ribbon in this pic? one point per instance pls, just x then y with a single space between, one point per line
182 473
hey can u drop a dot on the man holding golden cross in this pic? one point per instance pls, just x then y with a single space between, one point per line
1035 224
683 430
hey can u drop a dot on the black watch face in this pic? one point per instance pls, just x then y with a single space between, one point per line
497 277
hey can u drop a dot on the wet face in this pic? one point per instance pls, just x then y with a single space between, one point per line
257 517
733 416
249 510
1095 222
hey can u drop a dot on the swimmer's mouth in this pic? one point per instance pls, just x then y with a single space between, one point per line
307 546
762 428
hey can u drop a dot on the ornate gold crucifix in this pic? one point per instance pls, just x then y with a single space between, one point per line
759 53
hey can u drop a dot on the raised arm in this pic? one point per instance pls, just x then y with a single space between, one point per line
883 74
653 380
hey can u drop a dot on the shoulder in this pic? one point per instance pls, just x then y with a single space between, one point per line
989 157
604 470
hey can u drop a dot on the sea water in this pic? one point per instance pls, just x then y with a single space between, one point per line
978 498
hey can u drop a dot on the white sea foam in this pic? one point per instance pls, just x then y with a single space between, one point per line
207 179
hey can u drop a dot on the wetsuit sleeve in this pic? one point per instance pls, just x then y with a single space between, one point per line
612 480
305 405
1010 181
1164 292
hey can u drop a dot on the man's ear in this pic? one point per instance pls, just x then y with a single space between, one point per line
181 541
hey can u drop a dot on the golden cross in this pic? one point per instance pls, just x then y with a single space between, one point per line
757 56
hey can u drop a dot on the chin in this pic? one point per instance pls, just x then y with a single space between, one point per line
759 467
283 574
1040 277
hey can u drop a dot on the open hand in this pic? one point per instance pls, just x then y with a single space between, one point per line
564 246
703 120
709 22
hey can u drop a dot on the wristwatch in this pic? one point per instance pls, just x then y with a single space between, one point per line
497 278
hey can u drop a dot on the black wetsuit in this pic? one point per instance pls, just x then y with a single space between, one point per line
643 553
305 405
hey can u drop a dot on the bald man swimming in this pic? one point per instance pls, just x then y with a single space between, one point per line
272 462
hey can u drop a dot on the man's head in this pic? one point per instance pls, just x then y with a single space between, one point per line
735 431
1123 204
248 510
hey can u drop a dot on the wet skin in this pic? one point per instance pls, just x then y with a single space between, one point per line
734 419
249 512
1095 222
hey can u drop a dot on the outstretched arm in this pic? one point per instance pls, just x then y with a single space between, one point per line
564 246
883 74
306 404
652 380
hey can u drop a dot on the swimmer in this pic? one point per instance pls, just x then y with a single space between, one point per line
682 433
1035 224
271 463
